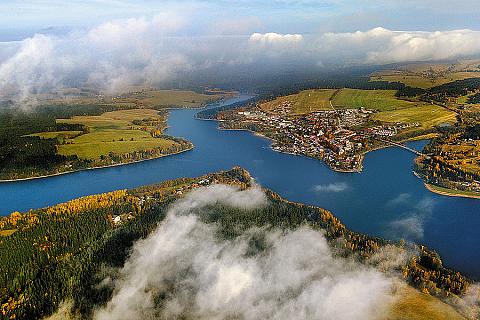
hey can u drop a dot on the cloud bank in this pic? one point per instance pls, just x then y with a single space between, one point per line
118 54
382 46
183 270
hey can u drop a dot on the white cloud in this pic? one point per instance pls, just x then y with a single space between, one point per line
332 187
203 277
382 46
272 38
118 54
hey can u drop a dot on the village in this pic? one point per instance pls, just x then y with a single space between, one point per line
339 137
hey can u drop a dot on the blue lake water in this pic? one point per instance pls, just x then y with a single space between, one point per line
385 200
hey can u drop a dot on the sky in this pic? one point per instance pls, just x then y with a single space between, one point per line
112 45
19 18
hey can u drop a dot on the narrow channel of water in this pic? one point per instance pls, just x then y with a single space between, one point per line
385 200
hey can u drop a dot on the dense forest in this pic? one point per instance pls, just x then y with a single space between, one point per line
474 99
445 92
472 132
50 255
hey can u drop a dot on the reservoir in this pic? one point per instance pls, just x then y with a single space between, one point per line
385 200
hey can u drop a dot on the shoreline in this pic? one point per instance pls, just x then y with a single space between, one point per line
93 168
433 189
359 170
201 107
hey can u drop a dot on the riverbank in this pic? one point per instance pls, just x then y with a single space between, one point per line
450 192
93 168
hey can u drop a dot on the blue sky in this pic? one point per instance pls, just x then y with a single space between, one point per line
20 18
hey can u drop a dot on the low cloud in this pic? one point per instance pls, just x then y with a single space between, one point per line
401 199
183 270
331 187
410 225
408 228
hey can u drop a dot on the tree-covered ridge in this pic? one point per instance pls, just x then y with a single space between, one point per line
445 93
58 253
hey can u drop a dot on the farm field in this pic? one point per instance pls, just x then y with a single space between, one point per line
382 100
150 98
427 115
303 102
420 81
114 132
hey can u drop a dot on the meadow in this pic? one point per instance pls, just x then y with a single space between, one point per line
427 115
381 100
303 102
115 132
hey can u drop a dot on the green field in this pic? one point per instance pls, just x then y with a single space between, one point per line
113 132
427 115
382 100
149 98
303 102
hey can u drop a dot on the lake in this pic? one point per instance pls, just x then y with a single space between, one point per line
385 200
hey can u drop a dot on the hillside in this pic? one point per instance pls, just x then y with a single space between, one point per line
73 246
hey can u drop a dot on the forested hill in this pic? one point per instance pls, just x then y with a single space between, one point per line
52 255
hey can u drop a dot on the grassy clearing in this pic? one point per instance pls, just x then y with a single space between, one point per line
303 102
113 132
382 100
414 305
427 115
6 233
56 134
